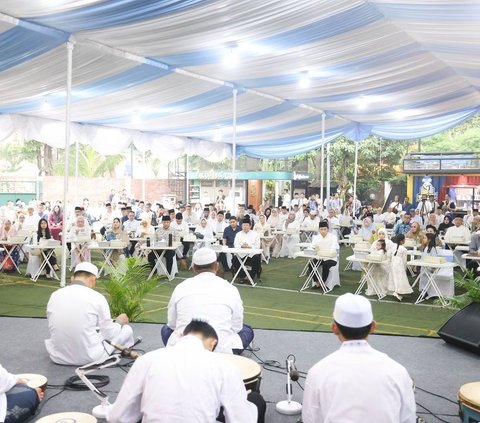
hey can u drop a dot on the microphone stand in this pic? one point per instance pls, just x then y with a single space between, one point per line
99 411
289 407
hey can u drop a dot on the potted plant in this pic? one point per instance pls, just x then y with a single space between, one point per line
471 285
127 287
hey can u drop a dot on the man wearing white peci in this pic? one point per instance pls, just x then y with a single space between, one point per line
211 298
79 321
357 383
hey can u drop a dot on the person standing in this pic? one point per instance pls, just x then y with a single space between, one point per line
357 383
79 321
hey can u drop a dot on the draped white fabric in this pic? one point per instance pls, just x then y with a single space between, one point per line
154 73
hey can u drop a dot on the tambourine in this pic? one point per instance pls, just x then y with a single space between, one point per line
34 380
68 417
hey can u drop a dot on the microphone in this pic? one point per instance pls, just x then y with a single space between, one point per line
294 374
290 407
126 352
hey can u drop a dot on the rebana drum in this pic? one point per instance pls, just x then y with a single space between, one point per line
249 369
68 417
469 402
34 381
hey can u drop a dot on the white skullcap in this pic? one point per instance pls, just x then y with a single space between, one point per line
313 212
204 256
88 267
353 311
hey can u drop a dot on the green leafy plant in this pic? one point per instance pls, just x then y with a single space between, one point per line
471 285
127 287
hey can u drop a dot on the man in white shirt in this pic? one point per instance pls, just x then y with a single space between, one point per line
333 221
378 388
219 225
311 222
395 205
130 226
181 228
458 234
79 321
247 238
210 298
31 218
389 218
186 383
189 216
328 242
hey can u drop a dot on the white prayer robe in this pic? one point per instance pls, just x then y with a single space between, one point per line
184 383
74 313
210 298
7 382
358 384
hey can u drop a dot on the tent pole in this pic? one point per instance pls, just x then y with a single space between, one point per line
187 190
322 165
143 178
329 176
355 179
63 275
76 172
234 147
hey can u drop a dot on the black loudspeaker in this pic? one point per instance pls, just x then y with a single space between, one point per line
463 329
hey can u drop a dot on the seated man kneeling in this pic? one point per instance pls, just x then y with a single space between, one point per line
186 383
211 298
79 321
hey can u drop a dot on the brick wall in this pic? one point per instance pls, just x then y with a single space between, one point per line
98 189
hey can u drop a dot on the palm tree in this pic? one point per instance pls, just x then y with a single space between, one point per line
90 163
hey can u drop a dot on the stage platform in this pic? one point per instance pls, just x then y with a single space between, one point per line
434 365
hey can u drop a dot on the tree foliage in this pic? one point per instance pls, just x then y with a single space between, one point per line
90 163
127 287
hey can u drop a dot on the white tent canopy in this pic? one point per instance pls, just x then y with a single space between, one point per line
161 73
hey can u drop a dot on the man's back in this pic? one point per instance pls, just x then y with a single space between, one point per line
74 313
184 383
358 384
208 297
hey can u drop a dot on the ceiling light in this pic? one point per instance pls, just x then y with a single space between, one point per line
400 114
136 117
363 102
46 106
304 81
231 57
218 135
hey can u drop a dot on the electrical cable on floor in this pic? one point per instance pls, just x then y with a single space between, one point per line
431 413
42 403
74 383
436 395
276 367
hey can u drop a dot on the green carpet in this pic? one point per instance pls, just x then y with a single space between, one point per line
273 304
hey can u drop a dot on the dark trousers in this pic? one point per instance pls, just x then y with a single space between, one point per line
222 258
246 335
254 398
474 267
326 265
131 248
254 262
186 247
169 255
22 402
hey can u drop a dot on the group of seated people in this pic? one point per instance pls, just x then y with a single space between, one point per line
186 380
